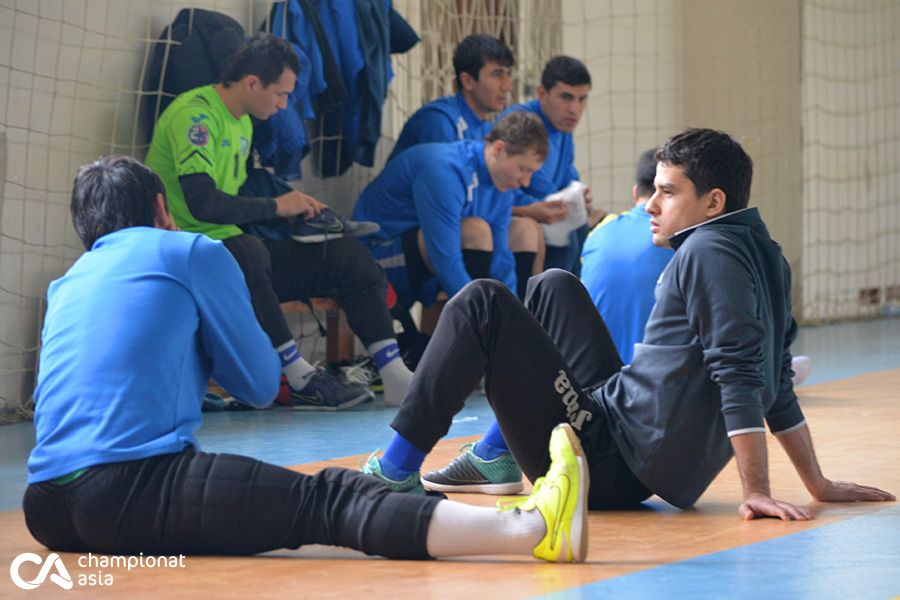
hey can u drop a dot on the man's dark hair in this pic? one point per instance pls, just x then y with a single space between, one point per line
521 131
265 55
476 51
565 69
113 193
646 173
711 159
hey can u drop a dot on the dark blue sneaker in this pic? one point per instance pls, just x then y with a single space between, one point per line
327 392
328 225
360 370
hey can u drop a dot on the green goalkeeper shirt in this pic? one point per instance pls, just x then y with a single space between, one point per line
197 134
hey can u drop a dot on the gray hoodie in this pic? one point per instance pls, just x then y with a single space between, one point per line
715 360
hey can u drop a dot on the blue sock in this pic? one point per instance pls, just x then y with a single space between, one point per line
401 459
491 445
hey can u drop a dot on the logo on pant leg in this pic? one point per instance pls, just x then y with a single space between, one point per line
577 416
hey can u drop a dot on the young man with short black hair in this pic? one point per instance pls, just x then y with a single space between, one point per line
620 266
483 66
562 99
713 369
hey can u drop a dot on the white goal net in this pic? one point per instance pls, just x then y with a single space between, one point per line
821 121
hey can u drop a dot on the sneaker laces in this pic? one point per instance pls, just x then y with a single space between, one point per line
362 371
521 501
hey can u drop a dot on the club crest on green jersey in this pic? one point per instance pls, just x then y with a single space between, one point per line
198 135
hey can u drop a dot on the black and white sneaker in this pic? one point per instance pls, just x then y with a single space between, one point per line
470 473
328 225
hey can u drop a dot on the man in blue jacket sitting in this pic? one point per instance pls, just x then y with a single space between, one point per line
133 332
483 66
562 99
620 265
444 210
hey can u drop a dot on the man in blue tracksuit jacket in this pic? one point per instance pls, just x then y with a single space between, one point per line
483 66
440 228
134 331
562 98
620 265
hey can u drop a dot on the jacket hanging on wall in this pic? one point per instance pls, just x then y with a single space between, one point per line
346 46
202 44
374 40
283 139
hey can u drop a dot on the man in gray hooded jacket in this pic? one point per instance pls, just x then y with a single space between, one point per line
714 367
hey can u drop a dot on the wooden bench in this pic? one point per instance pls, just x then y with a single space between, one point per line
339 338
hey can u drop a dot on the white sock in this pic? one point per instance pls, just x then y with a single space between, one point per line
458 529
802 367
394 374
294 366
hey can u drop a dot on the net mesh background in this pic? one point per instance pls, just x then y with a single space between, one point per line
809 87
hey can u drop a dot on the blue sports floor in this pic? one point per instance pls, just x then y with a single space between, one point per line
807 564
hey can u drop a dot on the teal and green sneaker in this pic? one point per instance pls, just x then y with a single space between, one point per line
500 476
561 498
410 485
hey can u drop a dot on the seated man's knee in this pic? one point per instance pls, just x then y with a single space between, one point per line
346 250
481 288
552 280
349 259
476 234
525 235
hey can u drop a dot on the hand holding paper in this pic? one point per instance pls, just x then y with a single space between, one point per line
557 234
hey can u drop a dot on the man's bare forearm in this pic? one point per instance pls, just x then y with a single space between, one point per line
797 444
753 462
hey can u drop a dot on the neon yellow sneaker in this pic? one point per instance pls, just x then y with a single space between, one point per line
561 498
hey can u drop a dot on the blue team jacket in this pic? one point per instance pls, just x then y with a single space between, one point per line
559 168
434 187
620 267
446 119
